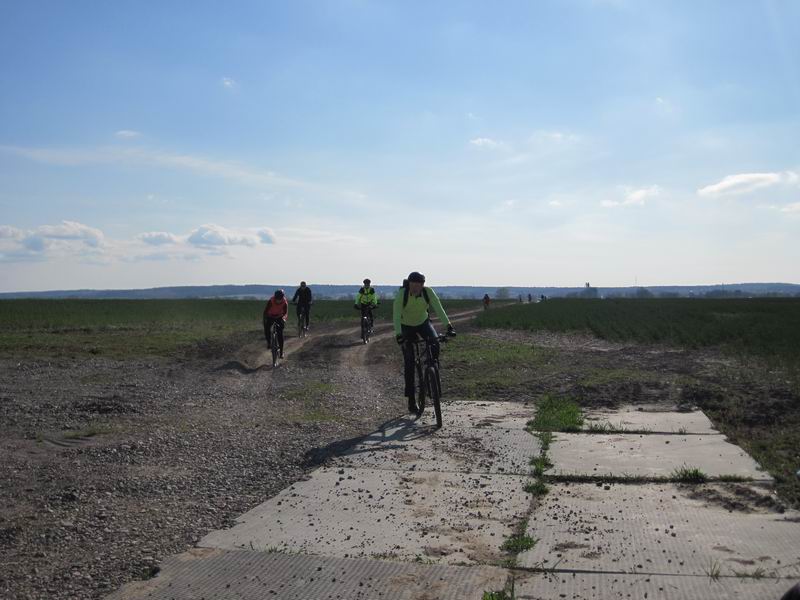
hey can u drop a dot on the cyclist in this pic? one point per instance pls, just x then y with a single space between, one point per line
486 301
276 311
366 301
302 298
411 319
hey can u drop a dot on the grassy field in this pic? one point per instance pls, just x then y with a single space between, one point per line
768 327
124 328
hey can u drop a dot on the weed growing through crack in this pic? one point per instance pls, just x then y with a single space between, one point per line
714 570
501 595
687 474
519 543
537 487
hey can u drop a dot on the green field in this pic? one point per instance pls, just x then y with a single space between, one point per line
768 327
124 328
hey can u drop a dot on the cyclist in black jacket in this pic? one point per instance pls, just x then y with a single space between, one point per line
302 297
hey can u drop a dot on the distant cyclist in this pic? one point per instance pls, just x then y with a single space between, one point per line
486 301
276 311
302 297
411 319
367 301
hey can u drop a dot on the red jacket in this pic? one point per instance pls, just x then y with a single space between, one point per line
277 309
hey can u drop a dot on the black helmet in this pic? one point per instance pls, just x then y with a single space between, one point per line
416 276
302 284
367 282
279 294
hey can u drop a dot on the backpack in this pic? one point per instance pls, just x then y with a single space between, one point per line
406 290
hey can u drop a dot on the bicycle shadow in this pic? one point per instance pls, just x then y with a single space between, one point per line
389 436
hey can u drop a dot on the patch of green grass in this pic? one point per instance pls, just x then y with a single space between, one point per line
540 464
555 413
306 401
536 487
89 431
519 543
545 439
479 368
500 595
687 474
606 427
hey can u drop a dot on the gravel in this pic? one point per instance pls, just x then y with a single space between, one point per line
107 467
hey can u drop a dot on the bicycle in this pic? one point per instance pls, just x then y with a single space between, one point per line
429 381
273 343
366 323
302 328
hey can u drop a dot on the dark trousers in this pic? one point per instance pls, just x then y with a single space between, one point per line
410 333
268 321
300 307
366 309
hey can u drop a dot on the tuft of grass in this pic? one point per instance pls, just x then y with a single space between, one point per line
501 595
519 543
536 487
713 570
687 474
556 413
606 427
540 464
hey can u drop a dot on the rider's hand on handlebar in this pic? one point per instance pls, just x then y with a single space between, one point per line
400 339
451 331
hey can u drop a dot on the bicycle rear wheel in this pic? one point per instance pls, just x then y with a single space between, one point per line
421 391
301 330
364 329
432 385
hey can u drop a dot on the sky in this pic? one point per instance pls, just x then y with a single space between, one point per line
618 142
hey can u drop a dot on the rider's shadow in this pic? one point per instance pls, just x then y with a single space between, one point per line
391 435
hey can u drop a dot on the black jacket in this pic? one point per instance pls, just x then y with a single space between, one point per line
302 295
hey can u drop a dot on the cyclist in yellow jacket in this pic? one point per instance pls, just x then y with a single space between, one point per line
411 319
367 300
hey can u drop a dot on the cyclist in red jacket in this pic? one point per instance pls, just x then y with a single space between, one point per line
276 311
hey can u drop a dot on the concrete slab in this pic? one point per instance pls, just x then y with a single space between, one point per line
652 420
455 449
662 529
650 455
597 586
508 415
243 575
446 517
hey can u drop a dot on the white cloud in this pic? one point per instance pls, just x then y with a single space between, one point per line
555 203
266 235
72 230
794 207
483 142
10 233
228 82
158 238
211 235
127 134
633 196
744 183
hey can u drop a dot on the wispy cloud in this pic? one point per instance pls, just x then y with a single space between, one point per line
127 134
633 196
744 183
484 142
793 208
215 235
228 82
158 238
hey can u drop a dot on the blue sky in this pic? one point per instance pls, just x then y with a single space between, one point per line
522 143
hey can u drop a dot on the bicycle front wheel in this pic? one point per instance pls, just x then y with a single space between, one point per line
274 344
432 385
364 330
